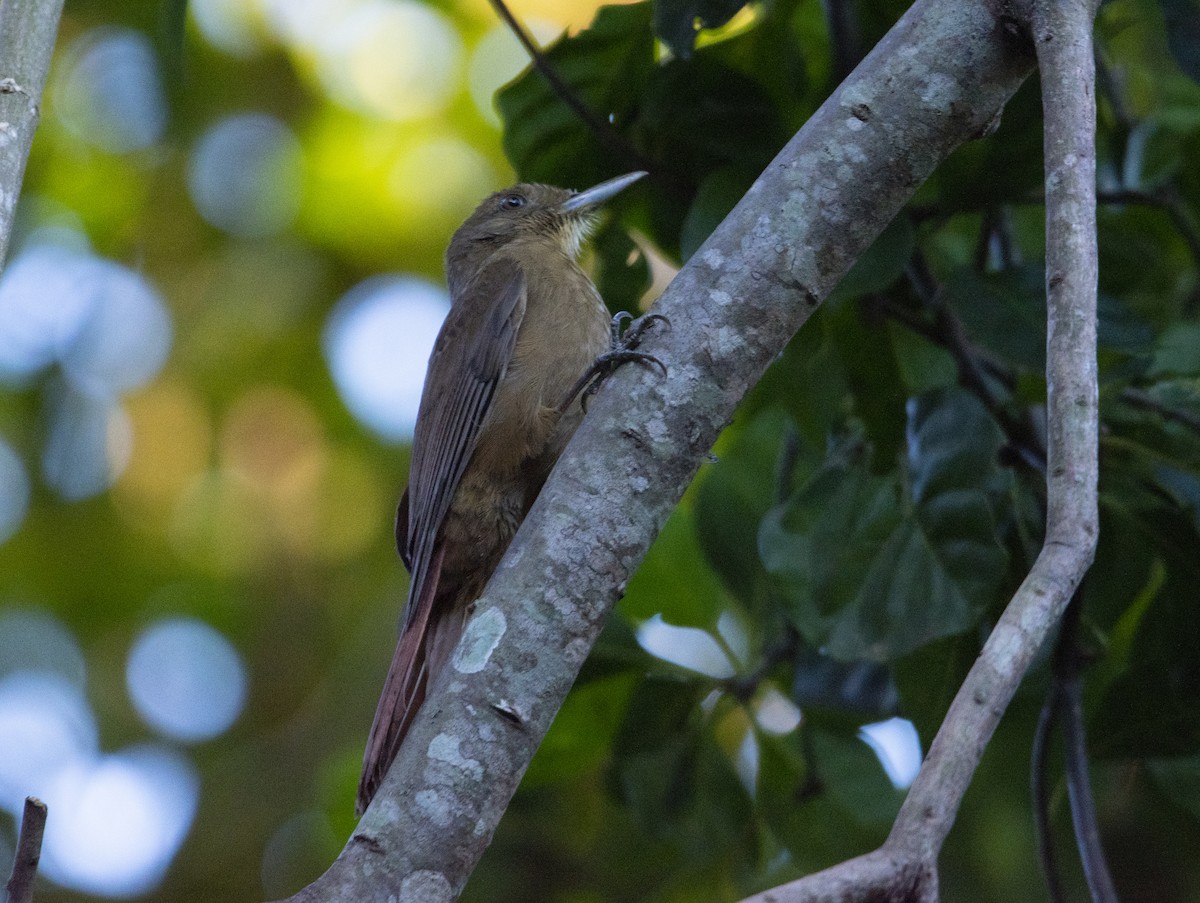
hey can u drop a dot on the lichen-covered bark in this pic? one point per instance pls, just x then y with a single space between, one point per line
27 30
938 78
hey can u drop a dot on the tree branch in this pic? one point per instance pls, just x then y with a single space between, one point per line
29 850
938 78
27 31
1062 32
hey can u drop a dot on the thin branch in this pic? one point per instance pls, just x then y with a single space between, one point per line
1067 691
27 31
734 306
602 129
1079 792
1039 771
974 367
29 851
1062 36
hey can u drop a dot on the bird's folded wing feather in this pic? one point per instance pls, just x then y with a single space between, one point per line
470 357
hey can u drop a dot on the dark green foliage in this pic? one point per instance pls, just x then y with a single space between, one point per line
889 463
676 21
877 566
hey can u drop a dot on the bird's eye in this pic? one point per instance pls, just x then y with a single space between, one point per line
512 201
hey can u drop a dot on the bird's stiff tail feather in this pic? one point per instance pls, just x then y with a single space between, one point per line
425 646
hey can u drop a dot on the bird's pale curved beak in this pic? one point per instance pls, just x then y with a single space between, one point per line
598 194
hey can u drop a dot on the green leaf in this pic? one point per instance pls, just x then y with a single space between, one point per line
1004 312
1002 167
1153 707
579 739
700 114
1177 351
738 490
929 677
874 568
544 139
670 773
852 775
676 21
871 369
812 362
816 829
862 687
1180 778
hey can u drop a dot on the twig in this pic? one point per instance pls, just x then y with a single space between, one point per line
613 140
1067 689
29 851
974 367
1039 759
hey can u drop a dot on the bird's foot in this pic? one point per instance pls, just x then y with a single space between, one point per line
623 350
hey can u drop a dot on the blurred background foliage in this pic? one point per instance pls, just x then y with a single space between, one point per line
213 329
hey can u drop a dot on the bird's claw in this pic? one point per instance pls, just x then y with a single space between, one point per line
623 351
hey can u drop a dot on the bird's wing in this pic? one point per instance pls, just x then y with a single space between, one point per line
470 357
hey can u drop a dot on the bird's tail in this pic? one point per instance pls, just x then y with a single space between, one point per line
425 645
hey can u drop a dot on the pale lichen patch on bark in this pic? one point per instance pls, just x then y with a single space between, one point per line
445 748
479 641
425 886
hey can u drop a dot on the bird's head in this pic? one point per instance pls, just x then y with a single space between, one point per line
530 211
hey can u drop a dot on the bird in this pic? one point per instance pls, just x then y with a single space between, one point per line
526 332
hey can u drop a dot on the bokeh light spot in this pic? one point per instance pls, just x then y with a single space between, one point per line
106 324
172 439
377 343
89 444
395 59
109 92
497 59
272 439
229 25
245 175
126 336
14 493
435 183
36 641
216 525
43 303
185 679
119 820
45 727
